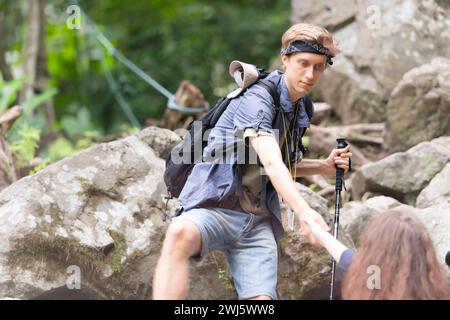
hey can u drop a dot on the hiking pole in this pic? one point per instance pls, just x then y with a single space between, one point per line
447 258
339 182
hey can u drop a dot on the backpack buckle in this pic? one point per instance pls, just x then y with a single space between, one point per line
167 197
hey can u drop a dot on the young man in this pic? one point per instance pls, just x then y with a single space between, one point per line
229 207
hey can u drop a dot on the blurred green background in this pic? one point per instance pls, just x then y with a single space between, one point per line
71 103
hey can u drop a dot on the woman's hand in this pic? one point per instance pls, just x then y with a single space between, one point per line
311 224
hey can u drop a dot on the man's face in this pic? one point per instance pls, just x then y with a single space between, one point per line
303 70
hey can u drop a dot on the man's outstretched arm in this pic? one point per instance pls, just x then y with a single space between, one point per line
269 153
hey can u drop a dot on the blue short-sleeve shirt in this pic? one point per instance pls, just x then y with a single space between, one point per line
214 180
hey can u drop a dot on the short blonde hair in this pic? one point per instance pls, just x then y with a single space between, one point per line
311 34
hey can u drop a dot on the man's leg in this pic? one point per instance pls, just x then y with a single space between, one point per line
254 261
171 279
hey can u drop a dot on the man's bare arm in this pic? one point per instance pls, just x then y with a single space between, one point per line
326 167
308 167
269 154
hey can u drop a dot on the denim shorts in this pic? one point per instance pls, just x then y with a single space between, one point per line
248 242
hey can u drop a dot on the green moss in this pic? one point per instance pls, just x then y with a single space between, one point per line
430 166
58 253
91 191
314 187
69 251
225 280
223 274
300 273
284 242
309 279
139 216
114 258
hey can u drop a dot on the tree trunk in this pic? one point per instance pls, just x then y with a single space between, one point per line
42 74
31 50
4 69
35 65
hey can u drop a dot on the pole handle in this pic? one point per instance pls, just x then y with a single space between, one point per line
341 143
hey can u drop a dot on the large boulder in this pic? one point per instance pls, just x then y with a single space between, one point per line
330 14
356 214
438 191
97 215
304 270
384 40
437 220
354 95
160 140
419 107
403 175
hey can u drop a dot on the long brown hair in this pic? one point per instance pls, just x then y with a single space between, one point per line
397 243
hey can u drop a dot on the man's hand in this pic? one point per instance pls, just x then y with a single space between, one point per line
305 227
339 158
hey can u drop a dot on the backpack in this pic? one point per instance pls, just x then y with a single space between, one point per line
176 174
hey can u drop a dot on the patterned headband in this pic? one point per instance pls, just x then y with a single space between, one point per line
301 46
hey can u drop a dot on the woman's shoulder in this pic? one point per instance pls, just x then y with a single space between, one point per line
346 258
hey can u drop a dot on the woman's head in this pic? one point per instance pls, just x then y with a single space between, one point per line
305 51
398 245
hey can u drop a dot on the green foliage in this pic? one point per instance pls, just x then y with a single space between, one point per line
87 140
40 166
59 149
8 95
62 147
78 124
225 279
305 141
29 117
25 148
170 40
8 92
25 134
30 105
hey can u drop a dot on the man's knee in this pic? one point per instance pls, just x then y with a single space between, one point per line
182 237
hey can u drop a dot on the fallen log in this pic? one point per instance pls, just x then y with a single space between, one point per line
324 138
8 118
9 172
187 96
